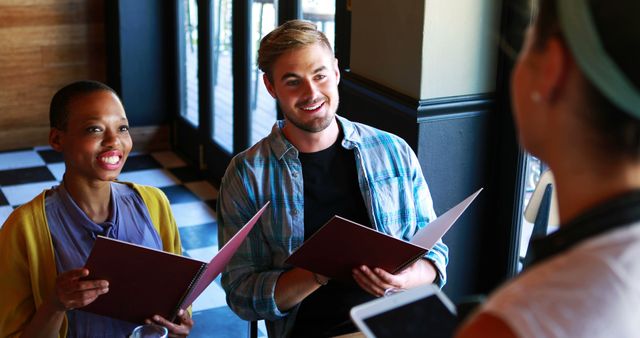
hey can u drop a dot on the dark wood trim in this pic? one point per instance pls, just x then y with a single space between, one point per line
343 34
151 138
288 10
241 74
180 69
507 161
205 69
187 137
215 160
423 110
379 93
454 107
375 87
23 138
186 140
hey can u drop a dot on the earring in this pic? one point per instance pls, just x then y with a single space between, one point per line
535 96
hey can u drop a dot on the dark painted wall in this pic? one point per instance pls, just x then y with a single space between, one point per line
453 139
453 155
141 59
366 102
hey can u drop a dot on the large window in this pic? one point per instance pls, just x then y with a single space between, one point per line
264 19
224 105
190 48
222 76
322 13
263 108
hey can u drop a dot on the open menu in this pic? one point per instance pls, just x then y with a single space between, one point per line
144 282
340 245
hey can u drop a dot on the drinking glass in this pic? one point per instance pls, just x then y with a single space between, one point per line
149 331
392 291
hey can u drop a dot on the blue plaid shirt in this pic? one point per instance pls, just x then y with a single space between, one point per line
393 187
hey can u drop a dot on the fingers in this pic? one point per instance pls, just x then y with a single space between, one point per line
374 282
185 318
175 330
73 300
386 278
73 292
74 274
364 283
71 281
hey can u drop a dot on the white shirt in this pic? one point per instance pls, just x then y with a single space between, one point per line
591 290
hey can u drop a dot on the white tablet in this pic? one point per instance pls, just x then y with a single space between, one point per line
423 311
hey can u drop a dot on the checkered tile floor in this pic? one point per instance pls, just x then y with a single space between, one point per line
25 173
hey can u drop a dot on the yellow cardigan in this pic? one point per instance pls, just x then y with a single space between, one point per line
27 265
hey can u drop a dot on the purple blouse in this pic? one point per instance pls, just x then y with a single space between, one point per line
73 234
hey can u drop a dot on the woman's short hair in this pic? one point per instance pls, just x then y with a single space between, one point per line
59 107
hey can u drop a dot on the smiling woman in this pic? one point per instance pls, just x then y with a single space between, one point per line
94 139
45 242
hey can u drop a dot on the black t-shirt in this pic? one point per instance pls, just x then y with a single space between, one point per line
330 188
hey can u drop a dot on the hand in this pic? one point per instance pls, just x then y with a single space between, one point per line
376 281
175 330
72 292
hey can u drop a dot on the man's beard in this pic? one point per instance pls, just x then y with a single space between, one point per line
314 125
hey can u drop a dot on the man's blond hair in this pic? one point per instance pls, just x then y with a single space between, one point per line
290 35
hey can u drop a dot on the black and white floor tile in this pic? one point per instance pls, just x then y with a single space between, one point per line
25 173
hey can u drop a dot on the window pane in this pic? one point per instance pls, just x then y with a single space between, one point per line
322 12
263 109
532 176
222 75
536 174
190 111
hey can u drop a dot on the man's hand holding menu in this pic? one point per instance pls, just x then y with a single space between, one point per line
341 246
